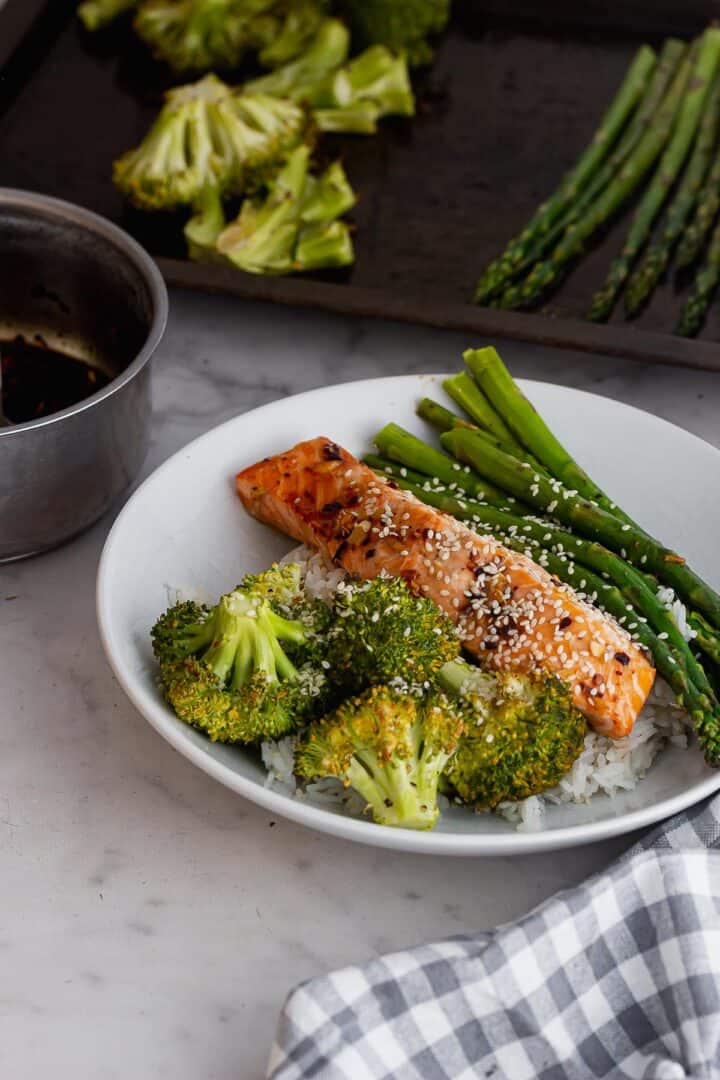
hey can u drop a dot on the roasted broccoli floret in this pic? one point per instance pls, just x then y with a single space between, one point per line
401 26
96 14
293 227
352 99
199 35
288 30
300 78
343 97
382 633
208 136
195 36
390 747
244 671
523 736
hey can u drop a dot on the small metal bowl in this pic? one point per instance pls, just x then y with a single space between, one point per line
90 292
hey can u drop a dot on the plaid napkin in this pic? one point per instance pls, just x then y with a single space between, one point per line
619 977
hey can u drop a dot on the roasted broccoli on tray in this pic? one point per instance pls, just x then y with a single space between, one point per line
343 97
405 26
195 36
293 226
209 136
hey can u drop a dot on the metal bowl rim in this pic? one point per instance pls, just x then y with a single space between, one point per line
61 210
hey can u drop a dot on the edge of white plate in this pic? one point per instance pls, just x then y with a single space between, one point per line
406 840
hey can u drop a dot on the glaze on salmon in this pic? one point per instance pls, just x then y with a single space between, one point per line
510 612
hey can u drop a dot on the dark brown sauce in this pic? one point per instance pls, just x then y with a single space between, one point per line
38 381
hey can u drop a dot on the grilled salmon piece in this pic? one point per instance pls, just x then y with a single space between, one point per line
510 612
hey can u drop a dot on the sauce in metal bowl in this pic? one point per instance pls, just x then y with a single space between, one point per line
38 380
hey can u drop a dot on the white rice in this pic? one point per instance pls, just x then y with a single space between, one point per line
605 766
678 611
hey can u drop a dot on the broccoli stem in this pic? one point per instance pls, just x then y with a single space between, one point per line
206 224
457 677
394 798
246 636
299 79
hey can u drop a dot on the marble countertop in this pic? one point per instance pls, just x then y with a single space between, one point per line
152 921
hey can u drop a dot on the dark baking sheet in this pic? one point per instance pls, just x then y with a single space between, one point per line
511 100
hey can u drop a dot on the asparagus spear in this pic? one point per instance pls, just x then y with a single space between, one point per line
547 273
704 288
670 56
656 261
666 173
470 397
407 450
706 636
525 422
696 233
439 417
611 124
517 452
589 520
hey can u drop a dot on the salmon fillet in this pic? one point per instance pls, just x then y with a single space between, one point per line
509 611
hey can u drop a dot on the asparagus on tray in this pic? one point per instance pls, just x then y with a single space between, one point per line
540 224
706 210
549 272
704 289
645 278
670 56
672 161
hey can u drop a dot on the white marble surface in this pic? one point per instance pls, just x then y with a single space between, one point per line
151 922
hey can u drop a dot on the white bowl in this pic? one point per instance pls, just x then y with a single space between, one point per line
186 529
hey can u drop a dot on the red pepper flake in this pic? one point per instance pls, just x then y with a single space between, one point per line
622 658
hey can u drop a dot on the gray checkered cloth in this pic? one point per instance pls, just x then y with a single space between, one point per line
619 977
